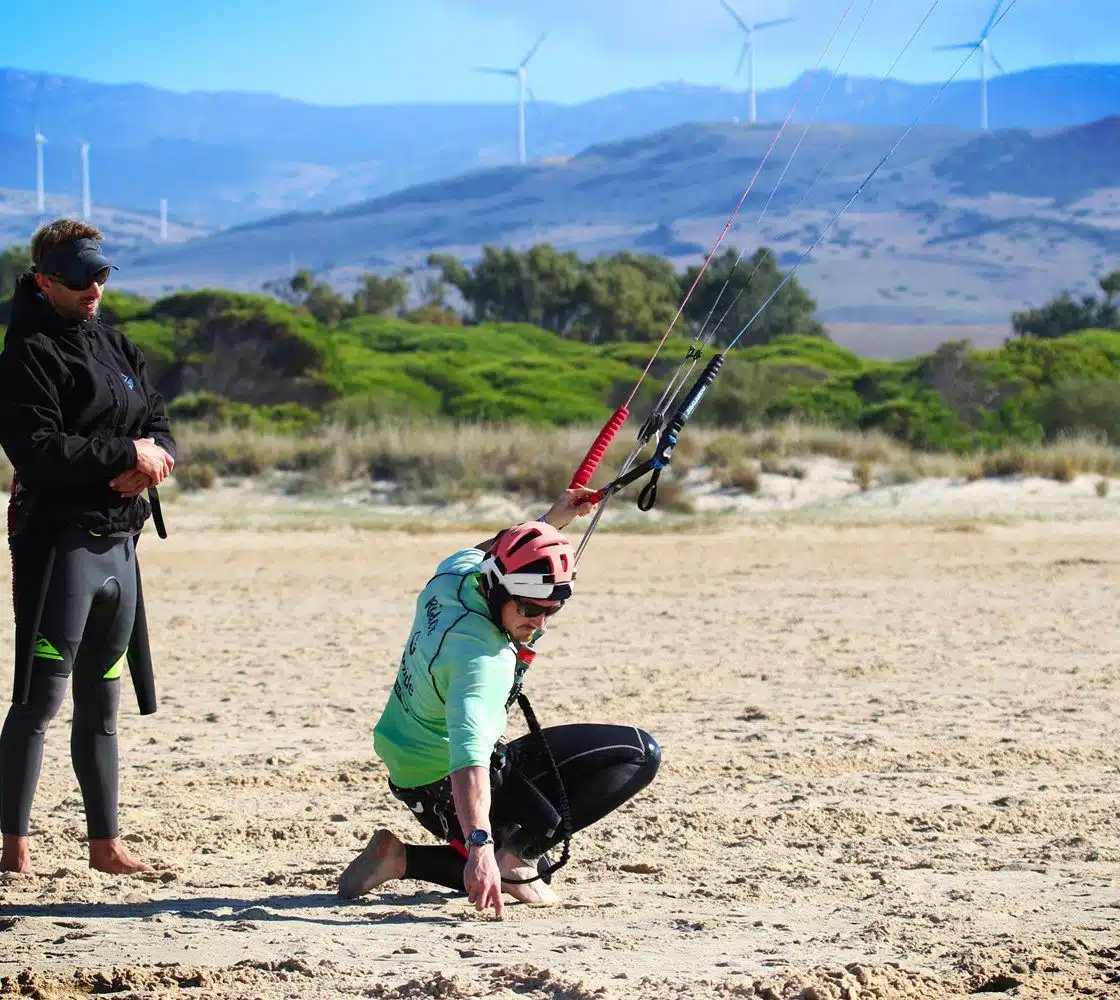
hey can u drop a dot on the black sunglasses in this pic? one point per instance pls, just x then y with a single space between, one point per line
100 278
530 609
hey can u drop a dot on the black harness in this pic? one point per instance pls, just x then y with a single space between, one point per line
434 806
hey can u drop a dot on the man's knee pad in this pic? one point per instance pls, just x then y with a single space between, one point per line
95 707
653 754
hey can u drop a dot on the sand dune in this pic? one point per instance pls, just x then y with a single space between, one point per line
890 770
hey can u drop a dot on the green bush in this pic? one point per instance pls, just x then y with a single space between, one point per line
1086 406
249 361
815 353
921 422
123 307
157 341
216 411
200 406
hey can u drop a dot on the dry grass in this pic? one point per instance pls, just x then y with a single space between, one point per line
1062 461
864 475
742 475
795 439
425 460
196 476
775 467
441 461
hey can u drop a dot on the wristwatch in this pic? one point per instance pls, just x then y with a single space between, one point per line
479 838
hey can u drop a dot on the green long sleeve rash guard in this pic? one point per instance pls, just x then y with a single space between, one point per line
455 682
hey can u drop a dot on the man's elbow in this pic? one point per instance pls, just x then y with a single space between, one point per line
468 763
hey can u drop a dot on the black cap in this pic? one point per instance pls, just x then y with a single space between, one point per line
76 263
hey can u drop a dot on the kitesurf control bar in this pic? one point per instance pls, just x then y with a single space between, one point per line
663 453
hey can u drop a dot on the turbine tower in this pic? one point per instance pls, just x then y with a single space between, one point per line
748 50
985 49
521 74
40 194
86 208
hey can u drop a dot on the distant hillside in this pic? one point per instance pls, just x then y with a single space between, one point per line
1063 165
223 158
124 231
958 227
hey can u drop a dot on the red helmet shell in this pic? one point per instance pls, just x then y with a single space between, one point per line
532 560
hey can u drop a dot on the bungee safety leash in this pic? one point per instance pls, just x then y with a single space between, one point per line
546 870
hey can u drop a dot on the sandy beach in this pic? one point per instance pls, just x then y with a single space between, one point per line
891 766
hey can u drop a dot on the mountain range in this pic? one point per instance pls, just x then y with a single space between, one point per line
955 227
224 158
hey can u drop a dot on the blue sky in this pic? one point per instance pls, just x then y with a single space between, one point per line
380 51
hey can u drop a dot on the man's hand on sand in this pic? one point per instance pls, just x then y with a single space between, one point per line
483 880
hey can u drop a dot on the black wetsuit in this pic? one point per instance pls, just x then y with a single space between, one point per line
74 396
601 767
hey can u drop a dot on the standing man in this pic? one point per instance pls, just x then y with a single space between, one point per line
86 434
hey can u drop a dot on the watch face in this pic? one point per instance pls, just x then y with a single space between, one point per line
478 838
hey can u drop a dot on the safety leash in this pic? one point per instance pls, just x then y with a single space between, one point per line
525 655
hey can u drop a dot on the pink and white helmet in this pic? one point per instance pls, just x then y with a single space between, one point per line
532 560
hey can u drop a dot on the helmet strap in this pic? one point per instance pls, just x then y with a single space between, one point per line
496 596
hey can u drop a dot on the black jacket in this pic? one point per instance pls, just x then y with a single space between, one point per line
73 398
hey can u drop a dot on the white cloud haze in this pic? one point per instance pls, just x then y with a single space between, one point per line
650 27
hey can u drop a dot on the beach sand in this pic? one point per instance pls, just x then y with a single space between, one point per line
891 768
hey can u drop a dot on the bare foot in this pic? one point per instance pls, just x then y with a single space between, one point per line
109 855
537 893
382 859
16 855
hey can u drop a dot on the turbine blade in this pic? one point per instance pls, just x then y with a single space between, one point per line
731 10
992 19
998 64
774 24
491 69
533 50
952 48
742 58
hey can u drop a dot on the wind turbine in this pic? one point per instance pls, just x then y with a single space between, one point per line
40 141
985 49
748 50
521 74
86 208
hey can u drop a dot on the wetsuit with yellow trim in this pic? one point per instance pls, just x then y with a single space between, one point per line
74 396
